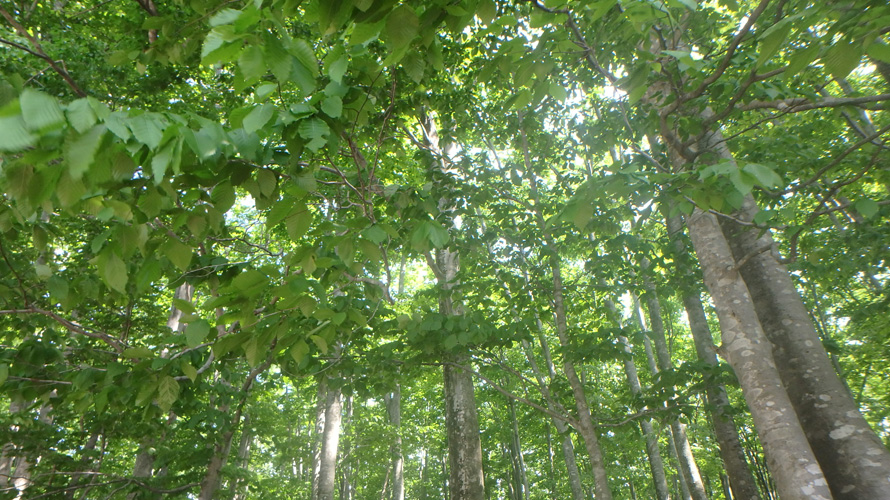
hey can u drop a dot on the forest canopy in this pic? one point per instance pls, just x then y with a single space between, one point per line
460 249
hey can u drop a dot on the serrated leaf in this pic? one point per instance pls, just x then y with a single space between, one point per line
252 351
15 136
161 161
375 234
168 392
146 130
298 223
179 254
251 63
196 332
305 55
338 69
299 350
319 342
842 58
267 181
868 208
81 115
188 370
225 16
81 152
278 59
39 110
438 235
258 117
313 128
332 106
772 40
113 271
402 27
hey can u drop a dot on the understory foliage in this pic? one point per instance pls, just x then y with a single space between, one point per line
212 209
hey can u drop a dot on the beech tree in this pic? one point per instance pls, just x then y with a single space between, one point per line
456 249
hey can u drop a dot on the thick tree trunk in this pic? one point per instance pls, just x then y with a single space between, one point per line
741 479
788 452
855 461
462 426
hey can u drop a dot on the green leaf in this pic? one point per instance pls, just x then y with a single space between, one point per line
251 63
801 59
4 373
332 106
15 136
250 282
146 130
188 370
80 115
402 27
375 234
179 253
438 235
137 353
196 332
298 223
772 40
868 208
299 350
338 69
252 351
81 152
168 392
161 161
879 50
225 16
267 181
842 58
320 342
258 117
305 55
765 176
486 10
113 271
40 111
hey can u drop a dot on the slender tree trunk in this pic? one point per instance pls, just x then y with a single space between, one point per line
739 474
466 480
394 411
688 467
656 464
516 451
239 487
855 461
585 421
788 452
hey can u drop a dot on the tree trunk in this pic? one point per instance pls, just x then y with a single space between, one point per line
855 461
239 487
741 479
788 452
466 480
327 464
585 421
516 452
688 467
394 411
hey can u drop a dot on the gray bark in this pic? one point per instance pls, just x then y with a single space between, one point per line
855 461
791 460
394 411
741 480
327 463
688 467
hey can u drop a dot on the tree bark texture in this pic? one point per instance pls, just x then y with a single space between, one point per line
741 480
462 426
791 460
394 411
855 461
327 469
